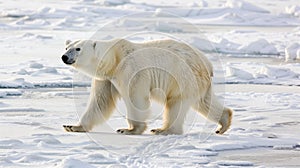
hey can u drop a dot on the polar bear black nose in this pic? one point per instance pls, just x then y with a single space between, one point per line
65 58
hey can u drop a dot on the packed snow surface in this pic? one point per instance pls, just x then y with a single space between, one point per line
253 45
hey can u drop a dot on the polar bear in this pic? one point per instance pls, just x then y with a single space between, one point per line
166 70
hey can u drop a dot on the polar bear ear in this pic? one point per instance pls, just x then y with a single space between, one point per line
68 42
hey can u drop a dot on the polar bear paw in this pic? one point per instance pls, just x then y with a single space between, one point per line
225 121
126 131
161 131
71 128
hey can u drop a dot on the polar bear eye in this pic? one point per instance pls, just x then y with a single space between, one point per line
66 48
77 49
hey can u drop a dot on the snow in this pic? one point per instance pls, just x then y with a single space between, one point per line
240 4
74 163
253 45
234 163
291 52
231 72
261 46
261 73
293 10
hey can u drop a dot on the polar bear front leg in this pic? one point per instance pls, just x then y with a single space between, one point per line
100 107
137 113
174 115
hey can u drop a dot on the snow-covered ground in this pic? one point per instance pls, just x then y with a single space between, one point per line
253 45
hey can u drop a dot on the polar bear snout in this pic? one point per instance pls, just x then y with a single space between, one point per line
67 60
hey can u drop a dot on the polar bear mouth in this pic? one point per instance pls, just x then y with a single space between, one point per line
70 63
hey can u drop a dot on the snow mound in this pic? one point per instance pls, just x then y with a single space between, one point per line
73 163
292 53
224 45
36 65
240 4
16 83
275 72
260 73
10 143
227 146
235 72
293 10
47 140
32 159
202 3
260 46
203 44
252 118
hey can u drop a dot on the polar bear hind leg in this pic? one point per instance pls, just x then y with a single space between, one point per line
225 121
212 109
174 115
101 105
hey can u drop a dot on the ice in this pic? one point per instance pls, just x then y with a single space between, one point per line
257 47
252 118
263 74
32 159
16 83
226 46
291 52
234 163
261 46
10 92
200 153
36 65
253 45
47 140
293 10
227 146
166 27
202 3
203 44
275 72
21 110
10 143
241 4
74 163
115 2
231 72
283 147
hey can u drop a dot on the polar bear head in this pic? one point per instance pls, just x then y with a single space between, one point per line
90 57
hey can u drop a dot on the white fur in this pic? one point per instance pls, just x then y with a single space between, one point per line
165 70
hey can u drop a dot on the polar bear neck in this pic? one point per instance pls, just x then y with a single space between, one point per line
108 56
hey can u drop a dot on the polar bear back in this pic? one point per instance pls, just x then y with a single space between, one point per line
174 67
